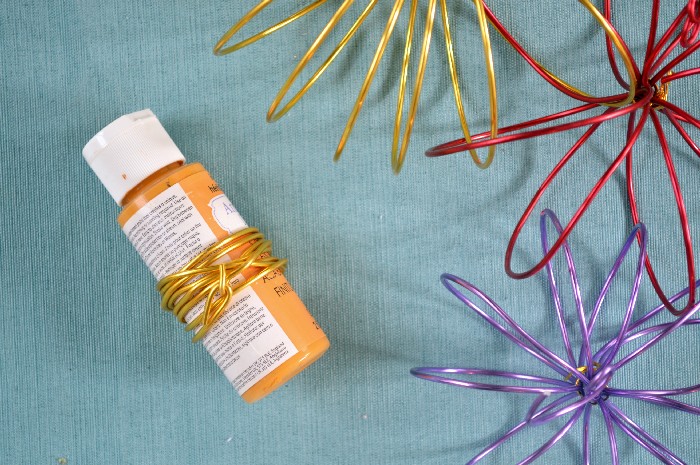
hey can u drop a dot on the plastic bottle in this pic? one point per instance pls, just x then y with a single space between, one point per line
171 212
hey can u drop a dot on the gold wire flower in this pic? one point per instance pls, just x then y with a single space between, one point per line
402 131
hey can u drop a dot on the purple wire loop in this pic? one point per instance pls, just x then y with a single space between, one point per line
525 341
543 386
580 383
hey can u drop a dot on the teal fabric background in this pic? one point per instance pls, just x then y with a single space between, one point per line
92 372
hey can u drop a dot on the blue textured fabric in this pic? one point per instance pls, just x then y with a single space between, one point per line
92 372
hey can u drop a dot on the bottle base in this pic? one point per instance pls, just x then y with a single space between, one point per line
289 369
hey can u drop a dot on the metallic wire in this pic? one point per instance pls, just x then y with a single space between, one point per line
589 385
650 92
402 133
206 279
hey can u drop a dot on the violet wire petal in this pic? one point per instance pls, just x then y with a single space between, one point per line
530 344
645 318
504 374
647 331
490 387
586 434
643 438
447 277
637 231
538 401
629 432
648 447
580 312
596 390
612 440
552 281
597 386
535 409
553 440
655 392
493 446
611 275
666 402
655 340
537 417
551 385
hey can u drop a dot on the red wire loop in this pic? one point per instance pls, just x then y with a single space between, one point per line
651 99
693 11
690 32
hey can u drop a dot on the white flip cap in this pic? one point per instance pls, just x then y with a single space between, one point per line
128 150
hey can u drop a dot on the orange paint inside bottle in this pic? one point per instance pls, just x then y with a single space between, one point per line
171 212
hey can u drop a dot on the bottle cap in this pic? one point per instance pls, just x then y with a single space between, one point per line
129 150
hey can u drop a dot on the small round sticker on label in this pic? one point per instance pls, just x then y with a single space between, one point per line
226 215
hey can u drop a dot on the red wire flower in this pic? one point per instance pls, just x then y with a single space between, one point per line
645 98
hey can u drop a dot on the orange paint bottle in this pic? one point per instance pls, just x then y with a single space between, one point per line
173 211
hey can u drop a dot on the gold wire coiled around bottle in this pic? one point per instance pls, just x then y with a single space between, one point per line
207 278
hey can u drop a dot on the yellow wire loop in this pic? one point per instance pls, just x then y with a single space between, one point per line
398 153
369 77
208 278
619 45
272 113
219 47
401 141
491 76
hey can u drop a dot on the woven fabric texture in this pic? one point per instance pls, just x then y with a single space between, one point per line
92 372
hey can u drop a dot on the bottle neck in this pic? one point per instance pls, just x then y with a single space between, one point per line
144 185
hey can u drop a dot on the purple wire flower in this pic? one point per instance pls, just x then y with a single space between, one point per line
584 382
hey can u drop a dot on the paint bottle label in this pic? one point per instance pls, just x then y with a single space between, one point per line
173 227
